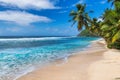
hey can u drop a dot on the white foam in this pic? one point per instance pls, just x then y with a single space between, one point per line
24 73
31 39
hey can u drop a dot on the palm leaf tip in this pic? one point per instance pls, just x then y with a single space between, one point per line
116 36
73 13
81 6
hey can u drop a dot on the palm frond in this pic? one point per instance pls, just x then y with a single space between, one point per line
116 36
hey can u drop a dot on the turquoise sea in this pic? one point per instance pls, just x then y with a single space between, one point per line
21 55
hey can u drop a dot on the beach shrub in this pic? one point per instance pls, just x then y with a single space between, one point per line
115 45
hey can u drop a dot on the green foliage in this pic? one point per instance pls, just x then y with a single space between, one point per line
109 28
80 16
116 37
115 45
104 27
87 33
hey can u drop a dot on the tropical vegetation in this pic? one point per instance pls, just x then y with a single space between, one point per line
108 28
86 33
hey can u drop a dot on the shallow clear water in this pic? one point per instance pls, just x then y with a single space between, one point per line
20 55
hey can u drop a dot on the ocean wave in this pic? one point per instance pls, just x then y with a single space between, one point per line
17 56
30 39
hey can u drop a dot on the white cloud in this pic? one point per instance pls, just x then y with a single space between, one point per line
103 2
79 2
22 18
29 4
100 19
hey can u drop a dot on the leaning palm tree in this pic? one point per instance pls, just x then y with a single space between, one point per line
110 28
80 17
83 20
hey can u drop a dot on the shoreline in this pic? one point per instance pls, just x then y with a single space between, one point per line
79 61
58 61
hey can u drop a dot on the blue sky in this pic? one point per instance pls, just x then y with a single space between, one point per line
42 17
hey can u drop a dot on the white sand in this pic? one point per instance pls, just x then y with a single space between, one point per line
107 68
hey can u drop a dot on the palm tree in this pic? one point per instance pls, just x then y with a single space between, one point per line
80 17
110 28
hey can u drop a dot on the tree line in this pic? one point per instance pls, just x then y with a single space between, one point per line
108 28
